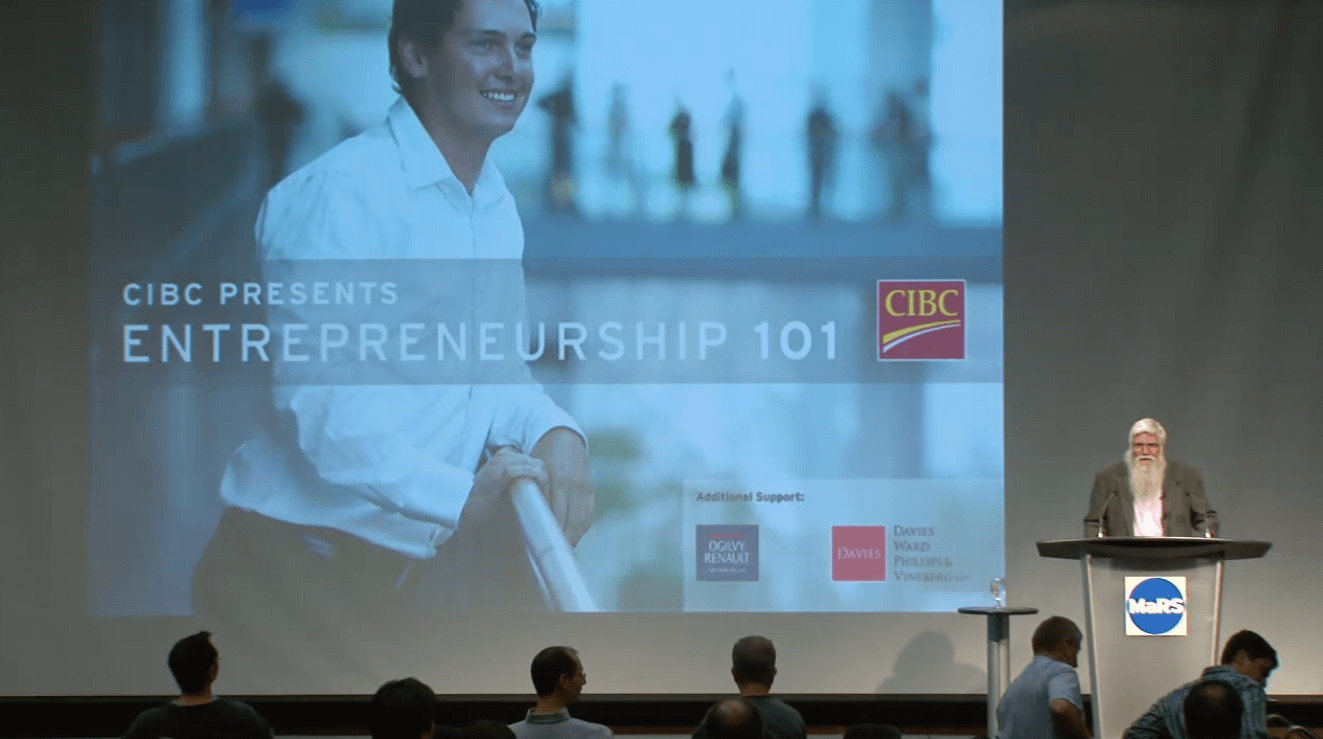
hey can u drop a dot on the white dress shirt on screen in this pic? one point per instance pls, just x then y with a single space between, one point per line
398 460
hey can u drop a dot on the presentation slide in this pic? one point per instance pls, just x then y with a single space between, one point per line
726 290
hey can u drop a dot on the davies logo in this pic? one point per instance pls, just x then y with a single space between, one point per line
858 553
920 319
1155 606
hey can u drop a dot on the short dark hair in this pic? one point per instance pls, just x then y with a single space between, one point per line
191 660
754 660
1053 631
424 22
734 718
1251 644
402 709
548 667
1212 711
486 729
872 731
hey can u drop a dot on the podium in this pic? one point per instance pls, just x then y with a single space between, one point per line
1147 637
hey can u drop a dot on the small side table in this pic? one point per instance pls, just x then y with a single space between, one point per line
999 653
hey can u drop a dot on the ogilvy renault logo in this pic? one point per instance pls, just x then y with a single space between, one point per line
920 319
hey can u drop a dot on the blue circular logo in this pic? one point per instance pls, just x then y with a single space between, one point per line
1155 605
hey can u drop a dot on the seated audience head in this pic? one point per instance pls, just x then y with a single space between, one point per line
403 709
486 729
1212 710
1251 655
558 676
1059 638
753 662
195 663
734 718
872 731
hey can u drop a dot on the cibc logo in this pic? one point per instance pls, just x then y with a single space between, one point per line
1155 606
920 319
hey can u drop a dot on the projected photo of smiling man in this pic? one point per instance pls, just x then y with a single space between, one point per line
389 493
468 86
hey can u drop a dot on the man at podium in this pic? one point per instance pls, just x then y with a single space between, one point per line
1146 494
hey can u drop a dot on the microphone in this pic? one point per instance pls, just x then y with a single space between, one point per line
1102 513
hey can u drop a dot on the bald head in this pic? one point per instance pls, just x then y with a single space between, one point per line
1213 710
734 718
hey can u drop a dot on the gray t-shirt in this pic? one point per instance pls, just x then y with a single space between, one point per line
1025 710
558 725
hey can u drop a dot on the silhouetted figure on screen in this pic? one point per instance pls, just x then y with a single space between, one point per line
730 161
682 135
278 113
822 137
920 174
559 105
620 168
893 134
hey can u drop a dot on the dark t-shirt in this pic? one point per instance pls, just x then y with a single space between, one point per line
780 721
219 719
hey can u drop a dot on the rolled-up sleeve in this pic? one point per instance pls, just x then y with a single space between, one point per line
523 412
1065 685
364 438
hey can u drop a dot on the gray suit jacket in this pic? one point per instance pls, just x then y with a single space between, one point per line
1185 508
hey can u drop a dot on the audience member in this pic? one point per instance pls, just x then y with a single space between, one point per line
1045 700
486 729
1213 710
733 718
558 678
753 665
1247 660
196 713
404 709
872 731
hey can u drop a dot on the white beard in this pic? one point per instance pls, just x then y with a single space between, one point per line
1146 479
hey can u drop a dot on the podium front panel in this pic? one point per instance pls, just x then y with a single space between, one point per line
1130 671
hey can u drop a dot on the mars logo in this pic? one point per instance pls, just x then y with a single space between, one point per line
1155 606
858 553
920 319
727 553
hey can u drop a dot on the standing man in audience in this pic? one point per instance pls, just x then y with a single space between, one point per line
1213 710
753 665
1146 494
733 718
558 678
1247 660
195 663
1045 701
